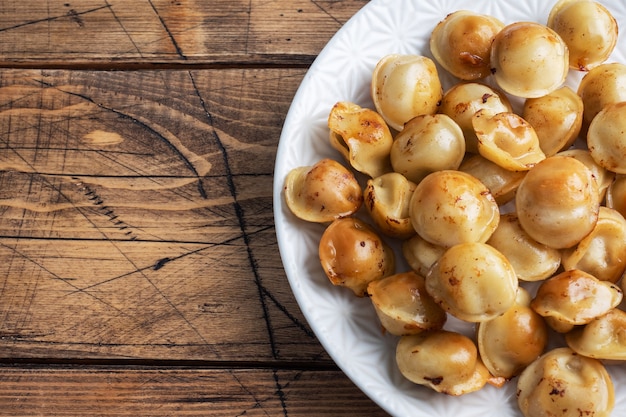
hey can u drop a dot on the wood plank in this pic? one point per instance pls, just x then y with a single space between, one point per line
119 32
181 392
136 220
105 146
133 223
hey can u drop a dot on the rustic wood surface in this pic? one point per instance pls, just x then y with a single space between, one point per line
139 269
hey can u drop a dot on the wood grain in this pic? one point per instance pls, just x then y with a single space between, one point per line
116 33
139 268
133 224
180 392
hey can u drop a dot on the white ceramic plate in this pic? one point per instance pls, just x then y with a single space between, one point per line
347 326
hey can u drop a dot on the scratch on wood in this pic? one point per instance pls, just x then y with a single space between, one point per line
145 125
75 17
217 308
184 255
193 252
240 216
246 237
257 402
248 28
119 22
281 393
179 51
52 18
107 211
287 314
316 3
161 263
62 279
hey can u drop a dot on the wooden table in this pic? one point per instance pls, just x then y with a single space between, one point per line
139 269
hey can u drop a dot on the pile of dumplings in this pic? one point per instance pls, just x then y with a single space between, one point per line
511 221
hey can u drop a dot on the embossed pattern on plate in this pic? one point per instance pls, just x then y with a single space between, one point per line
347 326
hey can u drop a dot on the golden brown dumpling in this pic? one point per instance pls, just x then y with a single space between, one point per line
473 282
565 384
421 254
461 43
450 207
405 86
531 260
529 59
462 100
502 183
574 298
605 138
600 86
403 305
353 255
362 137
427 143
510 342
442 360
387 201
603 338
507 140
557 202
323 192
616 194
556 117
589 30
602 253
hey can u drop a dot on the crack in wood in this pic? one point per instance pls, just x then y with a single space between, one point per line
280 393
243 226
